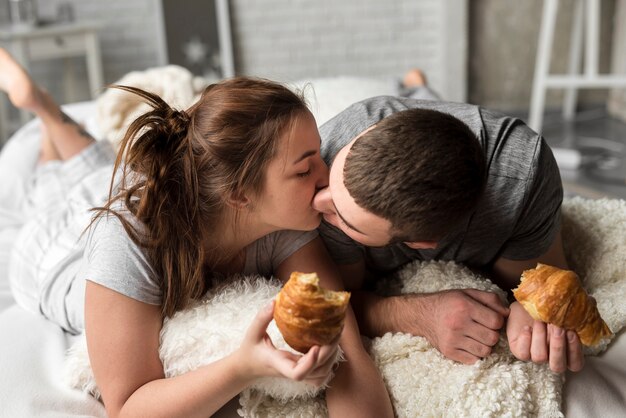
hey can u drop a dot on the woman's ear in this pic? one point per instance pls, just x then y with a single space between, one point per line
238 200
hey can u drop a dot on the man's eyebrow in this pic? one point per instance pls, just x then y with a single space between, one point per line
305 155
346 222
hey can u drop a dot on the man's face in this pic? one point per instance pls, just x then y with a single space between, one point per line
339 208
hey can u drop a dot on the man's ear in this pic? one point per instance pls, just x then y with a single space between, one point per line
421 245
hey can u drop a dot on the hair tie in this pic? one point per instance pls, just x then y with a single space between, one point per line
179 122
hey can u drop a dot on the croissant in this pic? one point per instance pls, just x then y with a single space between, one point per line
308 315
556 296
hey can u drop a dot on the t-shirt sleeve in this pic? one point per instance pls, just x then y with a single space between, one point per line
540 218
285 243
116 262
342 249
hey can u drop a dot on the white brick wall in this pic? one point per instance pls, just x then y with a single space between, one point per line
279 39
289 40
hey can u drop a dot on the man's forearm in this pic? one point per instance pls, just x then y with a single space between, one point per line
378 315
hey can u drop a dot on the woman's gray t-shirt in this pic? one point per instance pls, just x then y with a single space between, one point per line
113 260
518 215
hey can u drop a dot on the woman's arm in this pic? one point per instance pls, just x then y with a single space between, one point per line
357 378
123 342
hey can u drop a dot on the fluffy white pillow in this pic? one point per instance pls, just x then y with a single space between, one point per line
327 97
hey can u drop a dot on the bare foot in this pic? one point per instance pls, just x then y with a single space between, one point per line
22 91
414 78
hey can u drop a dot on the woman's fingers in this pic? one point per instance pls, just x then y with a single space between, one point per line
298 368
258 329
327 352
323 369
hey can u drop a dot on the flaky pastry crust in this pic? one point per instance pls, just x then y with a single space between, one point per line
308 315
556 296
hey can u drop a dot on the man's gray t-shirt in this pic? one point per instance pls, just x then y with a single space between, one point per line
516 218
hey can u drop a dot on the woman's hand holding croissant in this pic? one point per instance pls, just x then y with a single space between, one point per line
260 358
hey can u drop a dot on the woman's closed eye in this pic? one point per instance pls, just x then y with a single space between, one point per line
305 174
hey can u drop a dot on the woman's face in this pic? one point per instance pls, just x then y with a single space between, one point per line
293 177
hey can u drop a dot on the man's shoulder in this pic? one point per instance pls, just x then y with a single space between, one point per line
341 129
374 109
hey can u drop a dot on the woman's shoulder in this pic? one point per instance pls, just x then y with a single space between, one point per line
267 253
113 222
287 238
115 260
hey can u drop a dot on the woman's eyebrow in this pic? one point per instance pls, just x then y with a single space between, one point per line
305 155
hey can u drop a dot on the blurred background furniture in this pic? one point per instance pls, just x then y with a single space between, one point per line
58 40
587 20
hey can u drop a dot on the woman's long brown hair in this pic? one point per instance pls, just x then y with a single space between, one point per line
179 168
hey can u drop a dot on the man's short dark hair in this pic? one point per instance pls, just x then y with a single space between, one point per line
422 170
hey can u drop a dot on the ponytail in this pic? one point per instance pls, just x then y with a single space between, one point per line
159 186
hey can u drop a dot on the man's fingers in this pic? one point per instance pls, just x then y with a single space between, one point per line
558 350
575 358
464 357
487 317
482 334
488 299
487 309
476 348
539 343
520 345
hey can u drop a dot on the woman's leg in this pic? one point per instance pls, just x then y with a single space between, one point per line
62 137
414 78
415 86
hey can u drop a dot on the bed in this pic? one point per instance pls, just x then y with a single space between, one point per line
32 350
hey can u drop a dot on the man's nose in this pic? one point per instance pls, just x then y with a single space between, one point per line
322 202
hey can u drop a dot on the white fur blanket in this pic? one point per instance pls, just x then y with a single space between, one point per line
420 380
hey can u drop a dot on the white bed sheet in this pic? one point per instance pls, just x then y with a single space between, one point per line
32 349
31 359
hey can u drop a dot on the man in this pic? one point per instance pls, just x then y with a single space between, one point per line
423 179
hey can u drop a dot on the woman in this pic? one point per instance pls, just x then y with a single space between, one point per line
198 195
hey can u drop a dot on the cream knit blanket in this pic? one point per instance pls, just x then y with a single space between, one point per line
420 380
